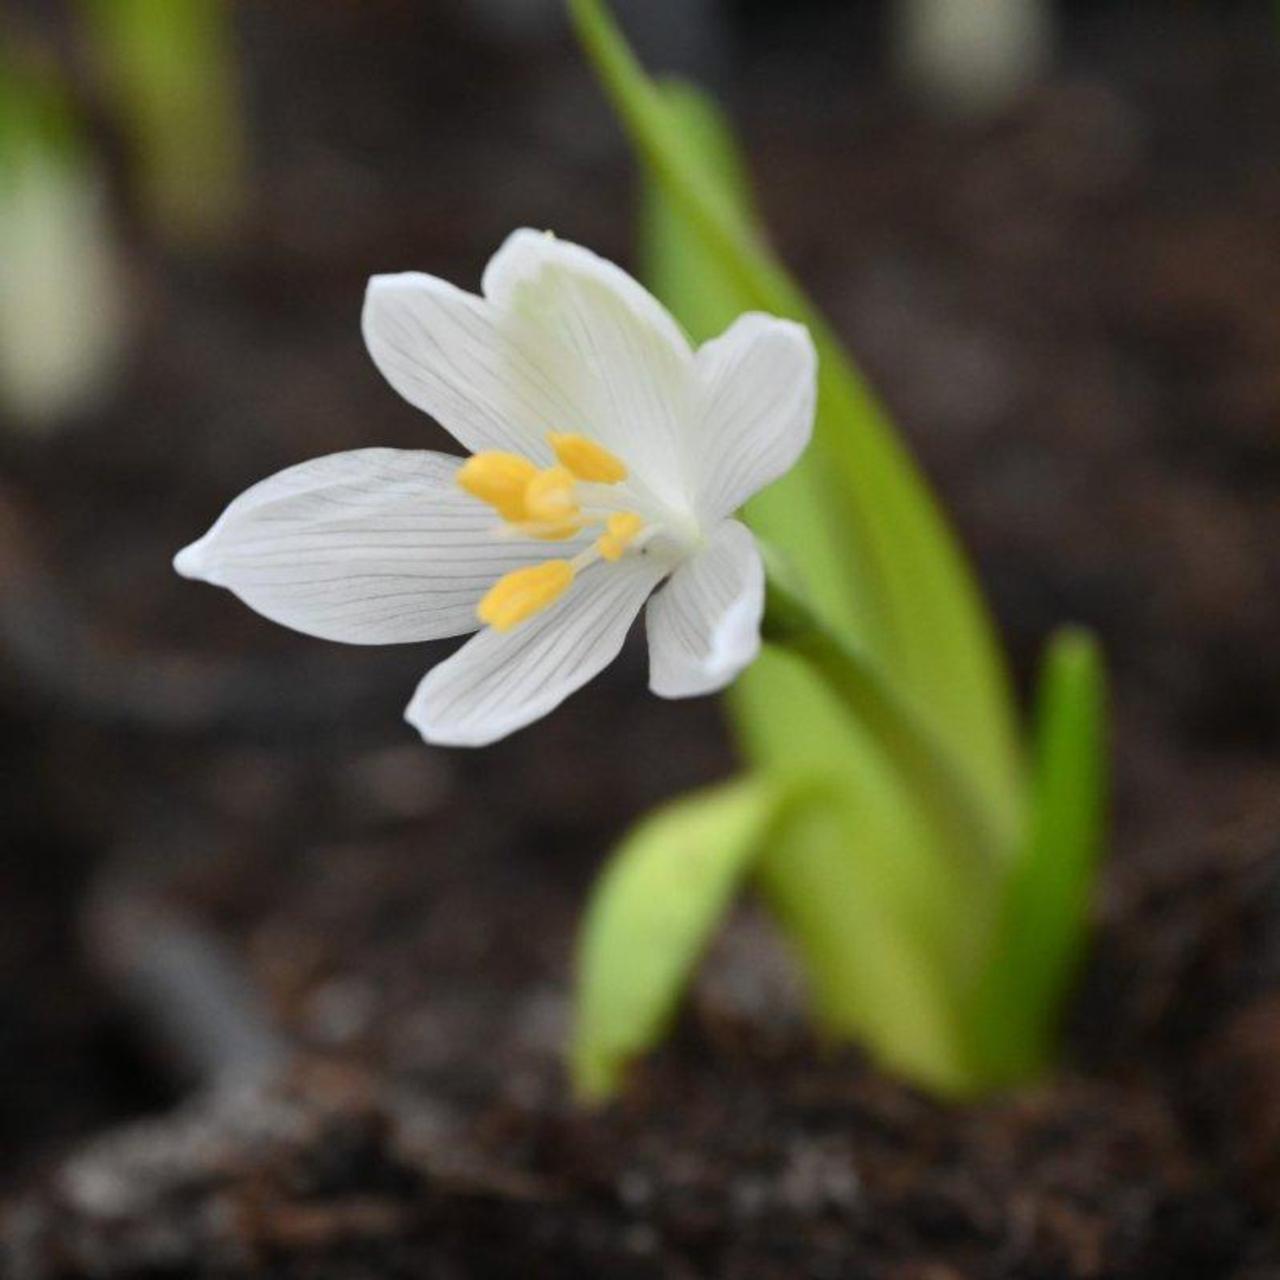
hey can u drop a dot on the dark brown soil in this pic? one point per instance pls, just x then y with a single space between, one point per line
282 992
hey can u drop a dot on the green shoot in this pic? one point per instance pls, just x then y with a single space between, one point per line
932 859
169 68
656 906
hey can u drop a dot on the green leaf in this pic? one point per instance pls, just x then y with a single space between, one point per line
854 914
689 280
855 514
651 915
36 117
926 773
1042 928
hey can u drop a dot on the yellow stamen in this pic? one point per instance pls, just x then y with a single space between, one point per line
548 496
586 459
620 532
500 479
520 594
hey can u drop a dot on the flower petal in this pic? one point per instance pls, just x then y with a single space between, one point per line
757 385
704 625
608 344
445 352
377 546
498 683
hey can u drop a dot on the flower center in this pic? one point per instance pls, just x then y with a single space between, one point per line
587 487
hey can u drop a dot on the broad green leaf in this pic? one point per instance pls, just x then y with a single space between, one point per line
855 515
651 915
1042 927
874 968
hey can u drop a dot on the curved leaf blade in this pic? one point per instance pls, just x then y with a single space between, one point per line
1043 925
651 915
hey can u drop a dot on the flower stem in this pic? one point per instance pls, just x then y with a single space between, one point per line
928 774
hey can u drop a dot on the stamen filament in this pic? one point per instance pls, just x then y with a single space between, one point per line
621 530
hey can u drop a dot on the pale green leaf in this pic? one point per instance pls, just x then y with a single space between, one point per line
651 915
869 941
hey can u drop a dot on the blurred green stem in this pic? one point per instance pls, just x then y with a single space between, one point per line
170 67
954 810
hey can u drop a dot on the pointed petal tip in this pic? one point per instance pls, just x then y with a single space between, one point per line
387 280
190 562
735 642
734 646
523 234
439 735
381 289
412 717
704 625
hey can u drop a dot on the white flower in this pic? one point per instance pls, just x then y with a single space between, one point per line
608 458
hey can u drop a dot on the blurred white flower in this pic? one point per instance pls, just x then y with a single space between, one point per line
607 459
63 311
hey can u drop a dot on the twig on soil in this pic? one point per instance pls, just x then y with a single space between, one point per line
192 997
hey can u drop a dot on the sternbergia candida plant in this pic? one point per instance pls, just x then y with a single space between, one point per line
931 872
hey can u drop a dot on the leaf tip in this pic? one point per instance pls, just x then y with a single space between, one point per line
595 1078
1077 647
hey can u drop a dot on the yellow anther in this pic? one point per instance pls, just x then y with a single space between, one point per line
620 531
586 459
500 479
520 594
548 497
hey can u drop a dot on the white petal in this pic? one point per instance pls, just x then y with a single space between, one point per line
757 385
446 353
704 625
377 546
609 345
498 683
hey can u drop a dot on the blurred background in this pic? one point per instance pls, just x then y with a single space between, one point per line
1051 235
